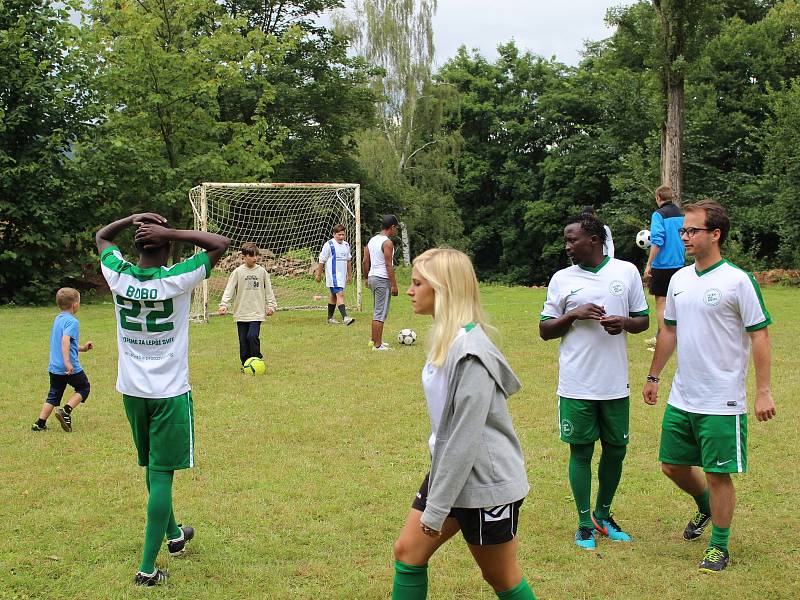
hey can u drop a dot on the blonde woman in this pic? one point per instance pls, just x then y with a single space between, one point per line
477 479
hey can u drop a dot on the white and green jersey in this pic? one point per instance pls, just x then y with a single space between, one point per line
713 310
592 364
152 307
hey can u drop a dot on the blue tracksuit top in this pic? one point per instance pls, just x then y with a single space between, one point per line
664 225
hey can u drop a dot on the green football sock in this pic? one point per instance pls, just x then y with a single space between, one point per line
159 509
703 502
609 472
580 480
173 531
521 591
719 537
410 582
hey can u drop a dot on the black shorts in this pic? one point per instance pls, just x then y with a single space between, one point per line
58 383
479 526
659 281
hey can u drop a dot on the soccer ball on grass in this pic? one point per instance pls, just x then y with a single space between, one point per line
643 239
254 366
407 337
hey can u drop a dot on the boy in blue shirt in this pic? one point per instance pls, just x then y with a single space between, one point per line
64 367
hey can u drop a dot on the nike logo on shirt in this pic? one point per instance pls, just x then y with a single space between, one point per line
575 291
676 293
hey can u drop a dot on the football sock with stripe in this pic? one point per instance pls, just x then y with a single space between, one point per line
410 582
703 502
609 472
67 408
342 310
719 537
521 591
580 480
331 309
159 510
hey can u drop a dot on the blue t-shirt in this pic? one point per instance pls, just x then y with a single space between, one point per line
664 226
64 324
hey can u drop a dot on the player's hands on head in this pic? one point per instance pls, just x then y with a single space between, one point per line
765 406
650 393
151 235
140 218
613 324
588 311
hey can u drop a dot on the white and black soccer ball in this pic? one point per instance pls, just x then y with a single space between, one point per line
407 337
643 239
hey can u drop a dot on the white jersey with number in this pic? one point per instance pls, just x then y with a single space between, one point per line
713 311
377 260
152 308
592 364
335 255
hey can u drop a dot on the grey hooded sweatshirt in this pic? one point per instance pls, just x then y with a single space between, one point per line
477 460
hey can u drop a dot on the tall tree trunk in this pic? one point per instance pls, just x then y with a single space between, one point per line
672 139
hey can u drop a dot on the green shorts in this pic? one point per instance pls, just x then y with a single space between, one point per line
163 431
586 421
718 443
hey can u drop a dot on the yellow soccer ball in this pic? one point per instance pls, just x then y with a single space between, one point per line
254 366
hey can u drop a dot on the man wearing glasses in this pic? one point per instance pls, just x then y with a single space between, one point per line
714 313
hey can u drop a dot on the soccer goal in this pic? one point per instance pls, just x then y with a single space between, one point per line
289 222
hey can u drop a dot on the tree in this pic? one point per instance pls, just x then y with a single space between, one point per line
44 102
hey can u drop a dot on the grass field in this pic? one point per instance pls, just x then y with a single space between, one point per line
304 476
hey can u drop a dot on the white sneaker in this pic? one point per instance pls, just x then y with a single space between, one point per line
381 348
348 320
332 321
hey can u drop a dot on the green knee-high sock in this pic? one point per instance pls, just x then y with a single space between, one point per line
719 537
410 582
580 480
173 531
703 502
521 591
609 472
159 508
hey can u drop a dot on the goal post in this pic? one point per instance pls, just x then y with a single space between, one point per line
289 222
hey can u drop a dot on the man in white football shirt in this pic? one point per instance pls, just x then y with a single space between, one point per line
714 313
152 307
590 306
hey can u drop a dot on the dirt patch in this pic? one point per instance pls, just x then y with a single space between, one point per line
778 277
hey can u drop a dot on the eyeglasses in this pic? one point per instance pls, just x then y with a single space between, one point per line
690 231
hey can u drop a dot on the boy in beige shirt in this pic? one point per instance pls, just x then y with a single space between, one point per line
250 290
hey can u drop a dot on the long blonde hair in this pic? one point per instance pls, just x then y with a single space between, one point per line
457 300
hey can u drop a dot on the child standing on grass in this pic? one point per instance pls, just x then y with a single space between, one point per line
250 289
64 367
477 479
336 259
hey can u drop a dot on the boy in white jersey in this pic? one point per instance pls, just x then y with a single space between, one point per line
152 308
714 313
590 306
337 261
378 268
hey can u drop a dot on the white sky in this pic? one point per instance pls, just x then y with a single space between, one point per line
545 27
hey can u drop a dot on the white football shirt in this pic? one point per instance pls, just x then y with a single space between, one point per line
713 311
152 308
592 364
335 255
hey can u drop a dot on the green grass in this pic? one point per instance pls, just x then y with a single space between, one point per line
304 476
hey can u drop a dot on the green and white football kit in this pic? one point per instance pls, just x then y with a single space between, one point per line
713 311
593 388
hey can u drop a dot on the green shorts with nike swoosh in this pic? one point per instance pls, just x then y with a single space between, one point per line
586 421
717 443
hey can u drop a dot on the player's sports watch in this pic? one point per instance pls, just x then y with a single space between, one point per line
653 378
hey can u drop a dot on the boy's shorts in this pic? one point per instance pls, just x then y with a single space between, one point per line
163 431
59 382
659 280
586 421
382 291
717 443
480 526
336 290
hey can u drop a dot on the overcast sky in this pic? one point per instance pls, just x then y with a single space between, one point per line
546 27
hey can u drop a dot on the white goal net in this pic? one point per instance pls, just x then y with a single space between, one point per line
289 222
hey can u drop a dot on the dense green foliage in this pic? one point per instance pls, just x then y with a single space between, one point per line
144 100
